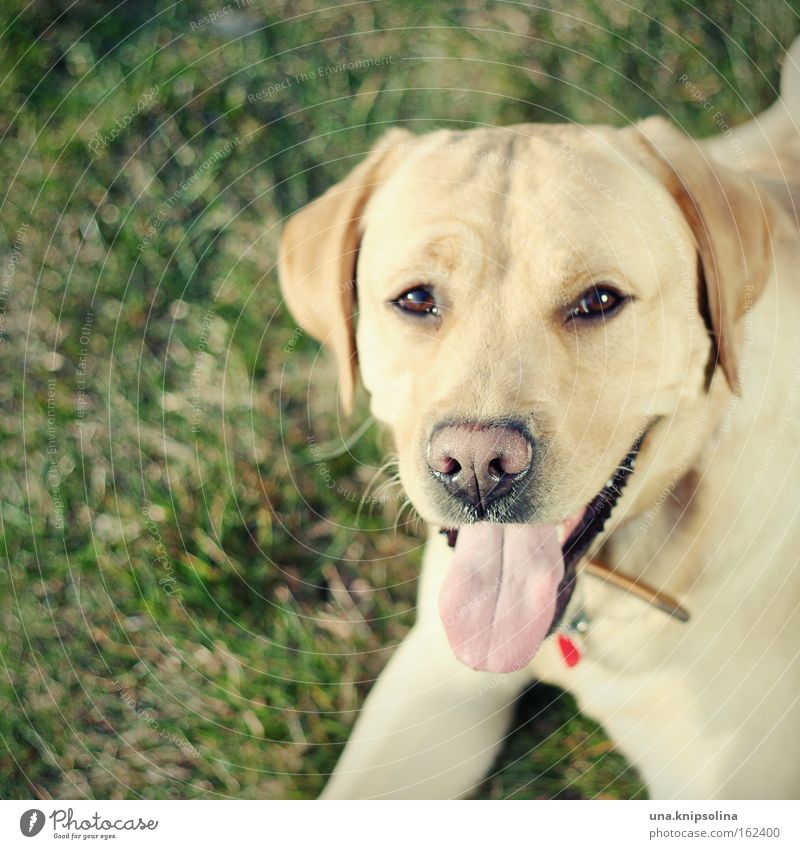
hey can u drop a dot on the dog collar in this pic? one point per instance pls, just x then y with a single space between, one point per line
656 598
569 637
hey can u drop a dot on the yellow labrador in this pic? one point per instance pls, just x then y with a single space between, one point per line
585 343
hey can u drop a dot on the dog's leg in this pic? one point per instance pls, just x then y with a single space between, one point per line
431 727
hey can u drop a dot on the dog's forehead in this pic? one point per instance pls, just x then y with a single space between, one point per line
558 189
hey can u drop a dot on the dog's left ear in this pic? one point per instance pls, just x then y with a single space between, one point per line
318 254
732 224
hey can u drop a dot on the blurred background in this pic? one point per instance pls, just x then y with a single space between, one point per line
195 595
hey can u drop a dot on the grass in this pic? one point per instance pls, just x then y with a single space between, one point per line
194 606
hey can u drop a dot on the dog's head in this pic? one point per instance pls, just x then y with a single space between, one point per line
534 310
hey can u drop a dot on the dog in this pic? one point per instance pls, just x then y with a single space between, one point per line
583 340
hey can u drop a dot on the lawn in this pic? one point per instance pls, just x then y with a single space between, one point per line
195 598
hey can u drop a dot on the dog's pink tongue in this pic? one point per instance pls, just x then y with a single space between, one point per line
499 598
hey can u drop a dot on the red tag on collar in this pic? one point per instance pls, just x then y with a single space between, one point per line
570 651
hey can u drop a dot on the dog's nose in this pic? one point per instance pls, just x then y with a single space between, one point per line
479 463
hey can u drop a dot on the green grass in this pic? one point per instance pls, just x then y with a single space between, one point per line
190 608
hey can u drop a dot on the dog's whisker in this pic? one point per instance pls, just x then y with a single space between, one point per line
413 516
381 494
370 497
391 460
387 485
396 525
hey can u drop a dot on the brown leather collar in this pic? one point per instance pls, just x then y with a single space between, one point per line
656 598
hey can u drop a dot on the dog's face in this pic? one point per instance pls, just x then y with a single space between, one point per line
545 285
536 307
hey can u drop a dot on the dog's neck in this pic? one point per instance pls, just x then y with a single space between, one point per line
715 504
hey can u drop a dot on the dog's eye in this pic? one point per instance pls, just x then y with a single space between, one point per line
418 301
597 301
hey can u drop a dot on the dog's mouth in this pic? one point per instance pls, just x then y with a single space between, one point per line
509 585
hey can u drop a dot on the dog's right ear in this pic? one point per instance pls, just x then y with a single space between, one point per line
318 253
